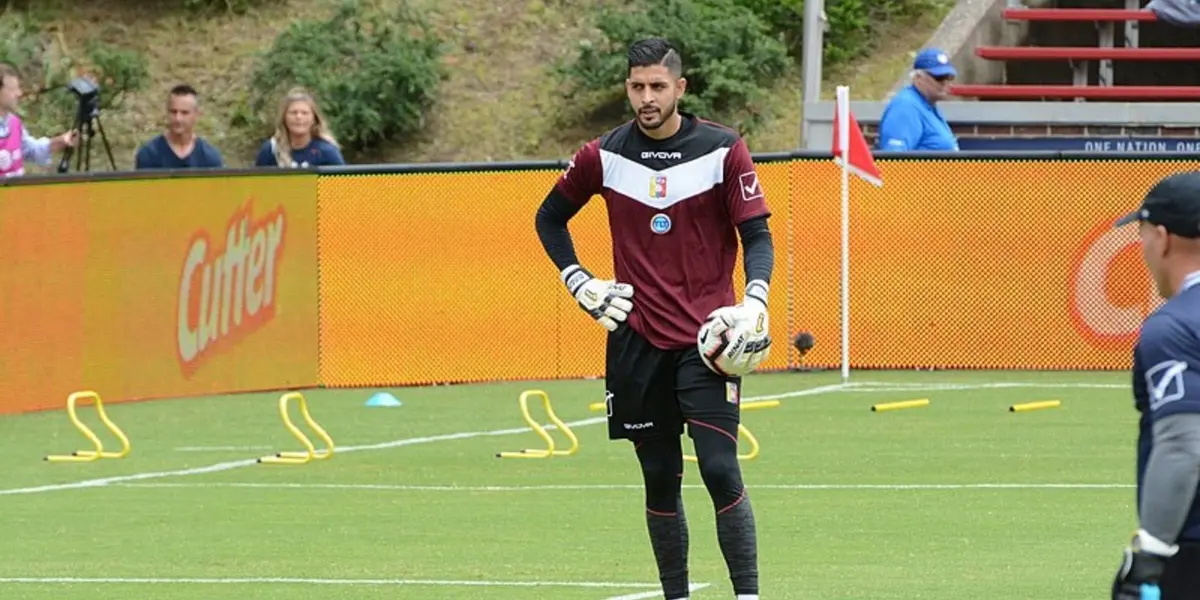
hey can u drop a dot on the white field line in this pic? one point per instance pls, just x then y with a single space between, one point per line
884 386
693 588
622 486
240 464
320 581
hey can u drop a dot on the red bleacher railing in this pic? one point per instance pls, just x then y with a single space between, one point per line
1078 14
1089 92
1105 20
1084 53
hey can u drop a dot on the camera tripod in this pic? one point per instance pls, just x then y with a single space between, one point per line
87 123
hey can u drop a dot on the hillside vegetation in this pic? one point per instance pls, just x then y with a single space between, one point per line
439 80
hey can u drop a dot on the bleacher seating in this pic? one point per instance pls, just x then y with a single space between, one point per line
1080 57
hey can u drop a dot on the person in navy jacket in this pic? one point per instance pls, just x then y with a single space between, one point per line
302 137
1163 560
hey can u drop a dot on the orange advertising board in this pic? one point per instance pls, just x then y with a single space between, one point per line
157 288
161 288
1004 264
993 264
441 277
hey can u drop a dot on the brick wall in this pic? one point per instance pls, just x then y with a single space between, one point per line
990 131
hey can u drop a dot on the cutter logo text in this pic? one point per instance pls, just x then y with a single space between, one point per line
228 287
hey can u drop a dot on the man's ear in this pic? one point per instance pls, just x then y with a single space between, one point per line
1164 239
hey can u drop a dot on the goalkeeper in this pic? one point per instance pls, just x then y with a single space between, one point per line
679 190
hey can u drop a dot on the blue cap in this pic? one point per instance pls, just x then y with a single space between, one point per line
935 62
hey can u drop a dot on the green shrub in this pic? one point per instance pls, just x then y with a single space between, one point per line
854 25
375 73
731 58
44 65
785 18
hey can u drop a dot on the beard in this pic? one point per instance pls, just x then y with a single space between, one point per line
651 120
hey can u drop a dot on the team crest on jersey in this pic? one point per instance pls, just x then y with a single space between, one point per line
660 223
658 186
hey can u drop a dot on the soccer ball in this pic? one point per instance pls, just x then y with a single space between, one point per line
729 346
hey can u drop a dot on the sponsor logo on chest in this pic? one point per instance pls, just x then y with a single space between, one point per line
662 155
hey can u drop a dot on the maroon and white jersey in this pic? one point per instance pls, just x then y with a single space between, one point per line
673 210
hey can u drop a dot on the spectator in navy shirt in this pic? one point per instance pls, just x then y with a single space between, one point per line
302 137
179 147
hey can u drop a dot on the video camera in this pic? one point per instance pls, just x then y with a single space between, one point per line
87 122
88 93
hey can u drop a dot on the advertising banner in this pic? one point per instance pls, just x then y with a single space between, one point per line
995 264
1128 145
157 288
441 277
163 288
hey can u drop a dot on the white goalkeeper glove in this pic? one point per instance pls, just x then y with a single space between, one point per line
605 300
745 352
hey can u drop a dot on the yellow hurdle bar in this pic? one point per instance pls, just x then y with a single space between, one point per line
98 447
900 405
310 452
551 449
1031 406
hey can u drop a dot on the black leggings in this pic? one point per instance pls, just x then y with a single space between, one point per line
716 451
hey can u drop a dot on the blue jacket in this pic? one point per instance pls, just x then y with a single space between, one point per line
910 122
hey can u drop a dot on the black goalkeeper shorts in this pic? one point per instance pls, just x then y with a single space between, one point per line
651 392
1181 579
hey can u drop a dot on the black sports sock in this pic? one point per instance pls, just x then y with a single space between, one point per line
739 544
662 470
716 451
669 539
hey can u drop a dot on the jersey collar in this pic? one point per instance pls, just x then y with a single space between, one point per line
1189 281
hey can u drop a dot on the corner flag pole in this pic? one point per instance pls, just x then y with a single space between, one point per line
843 125
853 154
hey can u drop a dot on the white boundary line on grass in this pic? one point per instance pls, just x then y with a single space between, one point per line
622 486
240 464
322 581
883 386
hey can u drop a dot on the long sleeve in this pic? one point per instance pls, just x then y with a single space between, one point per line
35 150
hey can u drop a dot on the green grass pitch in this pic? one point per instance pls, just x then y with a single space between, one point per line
958 499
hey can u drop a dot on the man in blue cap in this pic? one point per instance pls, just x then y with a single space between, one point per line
1163 560
911 121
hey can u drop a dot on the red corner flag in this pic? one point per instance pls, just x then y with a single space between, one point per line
860 161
